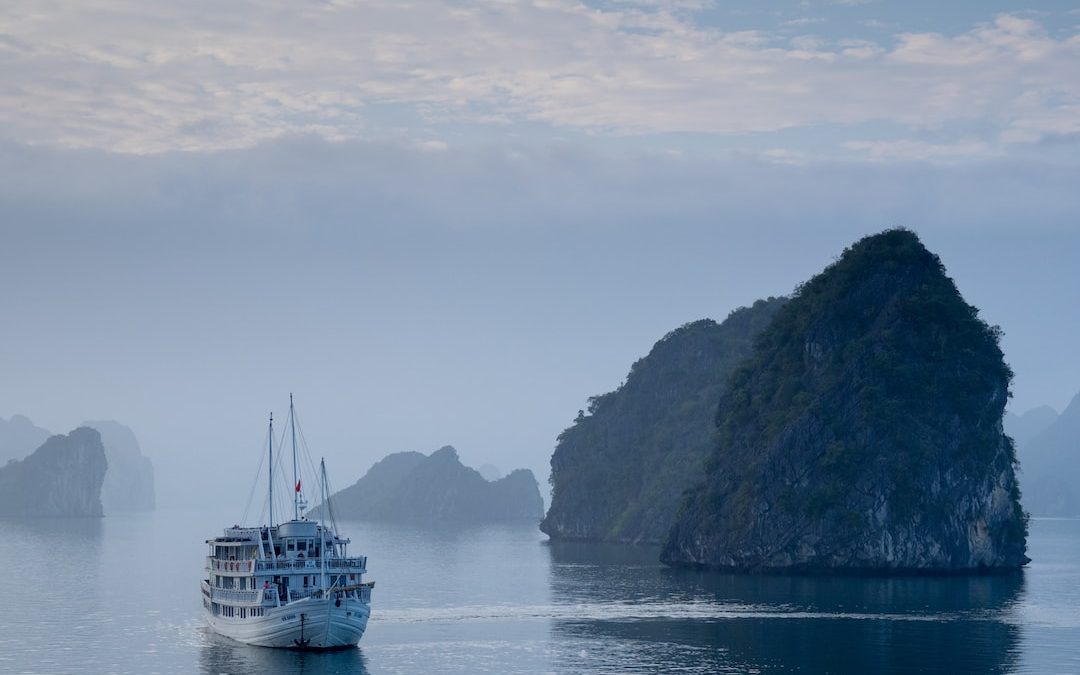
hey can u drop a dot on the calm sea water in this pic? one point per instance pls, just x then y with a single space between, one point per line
120 595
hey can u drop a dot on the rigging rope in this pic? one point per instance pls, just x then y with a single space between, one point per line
254 484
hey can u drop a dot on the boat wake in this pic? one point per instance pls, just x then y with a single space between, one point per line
649 611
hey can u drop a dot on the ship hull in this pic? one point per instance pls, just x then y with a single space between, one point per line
305 624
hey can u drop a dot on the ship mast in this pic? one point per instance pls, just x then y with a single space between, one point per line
271 469
322 527
297 499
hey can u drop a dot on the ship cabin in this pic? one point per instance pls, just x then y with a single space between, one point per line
251 569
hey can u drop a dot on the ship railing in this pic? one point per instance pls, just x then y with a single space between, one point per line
353 565
239 566
236 595
354 591
242 532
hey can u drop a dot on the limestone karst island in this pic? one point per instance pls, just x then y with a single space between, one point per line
856 426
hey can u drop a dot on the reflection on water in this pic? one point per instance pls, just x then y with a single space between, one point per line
45 534
740 623
221 655
120 595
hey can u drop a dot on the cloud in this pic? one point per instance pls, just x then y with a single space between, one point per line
805 21
1009 38
205 76
909 150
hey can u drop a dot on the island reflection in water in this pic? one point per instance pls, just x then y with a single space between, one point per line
654 618
501 600
123 593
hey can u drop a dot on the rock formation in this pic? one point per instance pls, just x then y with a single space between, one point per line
618 472
865 432
490 472
19 437
61 478
412 487
1023 428
1050 464
129 483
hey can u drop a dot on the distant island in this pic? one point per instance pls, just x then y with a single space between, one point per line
1048 445
129 481
618 473
19 437
63 477
864 433
437 488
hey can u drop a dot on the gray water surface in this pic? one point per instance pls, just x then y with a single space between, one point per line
121 595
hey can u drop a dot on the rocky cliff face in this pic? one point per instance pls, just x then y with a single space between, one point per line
61 478
619 472
412 487
129 483
865 433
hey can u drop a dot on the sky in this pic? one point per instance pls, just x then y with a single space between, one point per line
452 222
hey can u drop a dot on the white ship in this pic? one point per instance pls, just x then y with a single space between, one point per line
290 585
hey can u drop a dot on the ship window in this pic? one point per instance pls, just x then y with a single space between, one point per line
292 545
302 545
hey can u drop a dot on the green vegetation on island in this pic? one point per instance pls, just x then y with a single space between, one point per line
865 432
617 474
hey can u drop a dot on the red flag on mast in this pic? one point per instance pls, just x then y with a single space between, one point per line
298 486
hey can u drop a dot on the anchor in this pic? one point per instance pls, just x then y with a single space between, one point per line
301 643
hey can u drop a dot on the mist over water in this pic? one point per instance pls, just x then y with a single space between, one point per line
484 322
503 599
